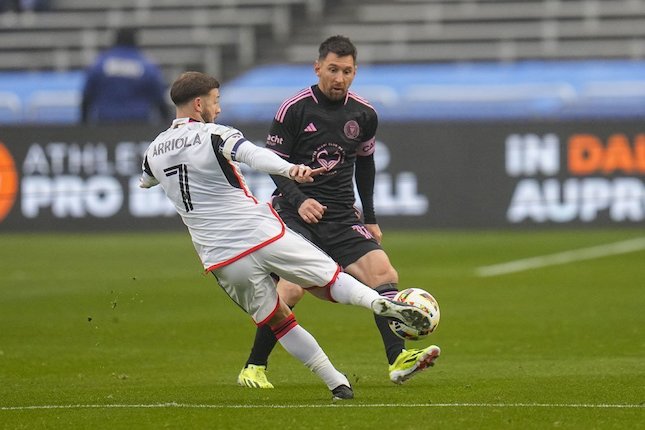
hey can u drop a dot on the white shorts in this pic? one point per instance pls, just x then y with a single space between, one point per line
249 283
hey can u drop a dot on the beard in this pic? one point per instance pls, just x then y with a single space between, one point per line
336 94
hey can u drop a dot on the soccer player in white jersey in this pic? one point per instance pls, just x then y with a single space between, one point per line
242 242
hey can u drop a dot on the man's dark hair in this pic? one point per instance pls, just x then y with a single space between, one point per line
190 85
339 45
126 37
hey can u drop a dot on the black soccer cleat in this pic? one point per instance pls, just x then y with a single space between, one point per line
342 392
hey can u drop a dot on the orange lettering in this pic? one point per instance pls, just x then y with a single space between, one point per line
585 154
639 153
618 155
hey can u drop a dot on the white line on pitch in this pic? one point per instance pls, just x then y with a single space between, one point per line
616 248
331 405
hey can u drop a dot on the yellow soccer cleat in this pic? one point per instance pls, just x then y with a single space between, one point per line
411 361
254 376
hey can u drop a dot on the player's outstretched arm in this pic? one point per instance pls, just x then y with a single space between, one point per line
258 158
265 160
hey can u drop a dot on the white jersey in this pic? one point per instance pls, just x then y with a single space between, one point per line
197 166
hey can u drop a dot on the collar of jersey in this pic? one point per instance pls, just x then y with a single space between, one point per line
323 99
182 121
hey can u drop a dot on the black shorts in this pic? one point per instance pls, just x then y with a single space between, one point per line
345 241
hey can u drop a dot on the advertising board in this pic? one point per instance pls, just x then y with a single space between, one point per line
429 175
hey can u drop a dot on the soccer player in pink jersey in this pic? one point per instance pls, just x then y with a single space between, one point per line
329 126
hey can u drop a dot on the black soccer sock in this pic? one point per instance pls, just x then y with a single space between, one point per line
392 343
262 346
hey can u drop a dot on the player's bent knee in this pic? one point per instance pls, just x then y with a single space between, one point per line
384 271
373 269
373 278
289 292
383 278
391 275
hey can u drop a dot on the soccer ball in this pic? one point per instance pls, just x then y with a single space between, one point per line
423 300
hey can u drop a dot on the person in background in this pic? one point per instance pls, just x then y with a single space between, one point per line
124 86
34 5
24 5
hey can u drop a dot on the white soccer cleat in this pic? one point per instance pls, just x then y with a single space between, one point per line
409 315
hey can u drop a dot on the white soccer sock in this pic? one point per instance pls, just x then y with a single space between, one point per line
348 290
301 344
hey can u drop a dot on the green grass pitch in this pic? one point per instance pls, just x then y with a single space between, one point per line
124 331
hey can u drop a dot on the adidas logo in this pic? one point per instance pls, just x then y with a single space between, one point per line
311 128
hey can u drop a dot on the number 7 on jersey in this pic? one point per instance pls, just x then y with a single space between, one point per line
182 171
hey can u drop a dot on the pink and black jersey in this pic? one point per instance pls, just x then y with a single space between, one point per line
310 129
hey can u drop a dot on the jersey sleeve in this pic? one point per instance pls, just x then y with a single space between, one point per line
147 179
262 159
368 145
234 146
365 174
229 142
